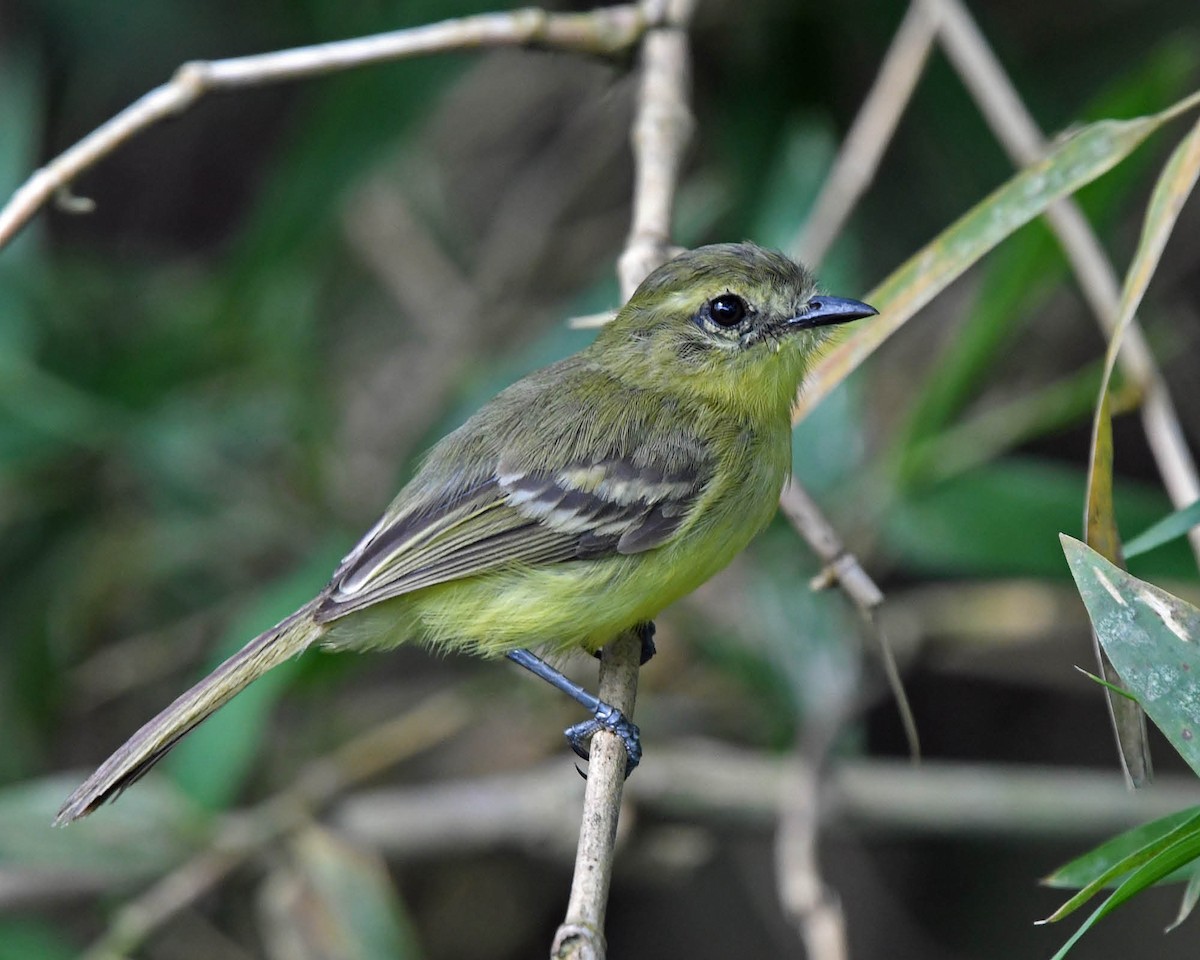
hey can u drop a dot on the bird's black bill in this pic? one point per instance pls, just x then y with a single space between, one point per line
823 311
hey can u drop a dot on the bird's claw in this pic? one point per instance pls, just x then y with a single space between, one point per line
611 719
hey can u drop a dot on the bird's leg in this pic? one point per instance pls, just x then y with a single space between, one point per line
604 715
645 633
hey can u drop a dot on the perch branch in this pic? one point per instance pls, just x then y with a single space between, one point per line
661 130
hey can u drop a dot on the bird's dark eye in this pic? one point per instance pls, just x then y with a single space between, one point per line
727 310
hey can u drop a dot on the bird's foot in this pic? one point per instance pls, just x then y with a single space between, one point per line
608 718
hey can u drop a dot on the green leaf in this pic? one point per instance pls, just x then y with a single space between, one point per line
998 429
1167 529
1026 270
1119 691
334 900
1080 159
32 940
1126 865
1184 851
1099 860
1000 519
1152 639
1173 187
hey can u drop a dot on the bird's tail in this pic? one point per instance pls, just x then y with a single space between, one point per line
151 743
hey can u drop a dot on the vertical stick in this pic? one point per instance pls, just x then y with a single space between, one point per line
661 131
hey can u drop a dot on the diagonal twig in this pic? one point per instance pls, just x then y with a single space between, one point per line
604 31
813 906
869 134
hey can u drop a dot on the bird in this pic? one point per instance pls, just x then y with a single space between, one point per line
573 506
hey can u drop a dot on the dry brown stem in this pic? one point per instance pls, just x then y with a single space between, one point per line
869 134
603 31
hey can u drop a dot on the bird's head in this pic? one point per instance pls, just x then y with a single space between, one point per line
732 322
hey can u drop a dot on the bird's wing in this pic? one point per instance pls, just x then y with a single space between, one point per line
516 517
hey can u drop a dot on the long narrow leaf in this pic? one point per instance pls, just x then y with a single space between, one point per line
1100 527
1183 852
1167 529
1171 191
1126 865
1077 161
1083 870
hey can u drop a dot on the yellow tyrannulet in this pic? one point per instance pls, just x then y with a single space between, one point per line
576 504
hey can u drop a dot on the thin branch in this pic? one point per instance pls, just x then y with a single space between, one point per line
604 31
870 134
842 568
705 782
696 782
661 130
581 934
1017 131
812 905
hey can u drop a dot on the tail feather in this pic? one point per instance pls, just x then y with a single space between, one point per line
152 742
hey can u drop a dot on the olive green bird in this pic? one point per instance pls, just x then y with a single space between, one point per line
576 504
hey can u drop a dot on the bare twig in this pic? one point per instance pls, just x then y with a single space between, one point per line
581 935
707 782
602 31
869 135
813 906
241 836
661 131
700 782
1017 131
842 568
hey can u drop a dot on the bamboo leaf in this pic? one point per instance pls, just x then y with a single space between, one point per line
1182 852
1086 868
1167 529
1153 640
1171 191
1077 161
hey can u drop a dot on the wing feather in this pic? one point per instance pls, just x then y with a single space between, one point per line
613 505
